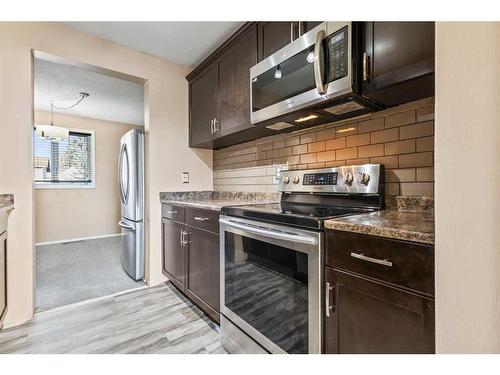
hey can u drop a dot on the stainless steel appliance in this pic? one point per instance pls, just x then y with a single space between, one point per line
271 258
318 71
131 185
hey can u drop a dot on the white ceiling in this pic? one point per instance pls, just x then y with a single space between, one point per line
110 99
185 43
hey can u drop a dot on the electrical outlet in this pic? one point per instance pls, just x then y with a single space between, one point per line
185 177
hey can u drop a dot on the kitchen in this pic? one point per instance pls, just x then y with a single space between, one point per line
303 197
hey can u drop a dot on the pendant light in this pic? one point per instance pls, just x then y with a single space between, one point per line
57 133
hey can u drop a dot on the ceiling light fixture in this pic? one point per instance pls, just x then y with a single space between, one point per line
57 133
306 118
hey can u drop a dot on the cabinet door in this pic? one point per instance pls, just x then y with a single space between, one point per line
274 36
3 276
368 317
397 52
203 277
306 26
234 84
174 253
202 106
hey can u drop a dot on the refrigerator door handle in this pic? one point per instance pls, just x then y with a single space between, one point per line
124 189
125 225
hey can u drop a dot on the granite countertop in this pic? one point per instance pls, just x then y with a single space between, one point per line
6 200
215 200
415 226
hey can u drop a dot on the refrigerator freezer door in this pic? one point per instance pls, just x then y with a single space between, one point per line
131 175
132 257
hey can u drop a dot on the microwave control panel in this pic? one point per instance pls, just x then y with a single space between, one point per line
337 47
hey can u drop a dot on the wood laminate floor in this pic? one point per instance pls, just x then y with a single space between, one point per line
150 320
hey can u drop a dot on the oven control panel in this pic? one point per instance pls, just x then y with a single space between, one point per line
327 178
362 179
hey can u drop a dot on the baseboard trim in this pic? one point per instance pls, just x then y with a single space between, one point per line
77 239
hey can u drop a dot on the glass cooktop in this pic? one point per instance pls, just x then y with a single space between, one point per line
302 215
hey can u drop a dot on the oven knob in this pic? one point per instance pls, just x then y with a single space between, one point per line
296 179
286 180
348 178
365 178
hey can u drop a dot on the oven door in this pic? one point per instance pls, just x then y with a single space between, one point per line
315 67
270 284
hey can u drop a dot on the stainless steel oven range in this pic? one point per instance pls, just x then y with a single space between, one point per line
272 258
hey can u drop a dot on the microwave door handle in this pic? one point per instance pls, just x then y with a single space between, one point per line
270 233
318 74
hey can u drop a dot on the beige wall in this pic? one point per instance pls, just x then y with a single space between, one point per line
166 128
467 201
63 214
401 138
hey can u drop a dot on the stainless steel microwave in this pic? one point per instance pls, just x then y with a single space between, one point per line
314 69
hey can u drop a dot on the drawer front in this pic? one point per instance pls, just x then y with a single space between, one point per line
203 219
173 212
401 263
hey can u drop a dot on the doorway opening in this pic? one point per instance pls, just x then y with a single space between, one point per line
88 175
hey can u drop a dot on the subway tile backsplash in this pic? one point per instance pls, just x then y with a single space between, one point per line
401 138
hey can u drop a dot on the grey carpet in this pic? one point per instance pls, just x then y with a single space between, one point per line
78 271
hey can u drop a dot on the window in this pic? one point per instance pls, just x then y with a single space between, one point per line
65 164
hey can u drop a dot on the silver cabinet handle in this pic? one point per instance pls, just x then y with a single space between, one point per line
183 238
301 28
383 262
328 307
171 212
291 32
366 61
318 74
216 125
200 218
212 126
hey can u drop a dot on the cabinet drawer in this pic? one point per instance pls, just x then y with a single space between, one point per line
401 263
203 219
173 212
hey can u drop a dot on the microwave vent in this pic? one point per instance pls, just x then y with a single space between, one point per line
280 126
340 109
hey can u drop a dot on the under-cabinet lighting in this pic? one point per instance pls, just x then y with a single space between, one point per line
345 130
307 118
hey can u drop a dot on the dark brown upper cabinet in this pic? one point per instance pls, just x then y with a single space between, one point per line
219 90
397 61
203 106
275 35
234 85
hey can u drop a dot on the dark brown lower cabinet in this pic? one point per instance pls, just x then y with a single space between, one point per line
174 253
365 316
203 278
190 253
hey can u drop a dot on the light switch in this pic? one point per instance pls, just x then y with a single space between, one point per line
185 177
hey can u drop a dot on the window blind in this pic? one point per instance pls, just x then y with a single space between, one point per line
65 161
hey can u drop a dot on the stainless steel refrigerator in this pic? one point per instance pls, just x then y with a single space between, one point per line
131 181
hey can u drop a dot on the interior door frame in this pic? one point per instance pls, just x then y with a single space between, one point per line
111 73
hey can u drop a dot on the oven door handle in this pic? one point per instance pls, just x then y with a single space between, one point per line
271 233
